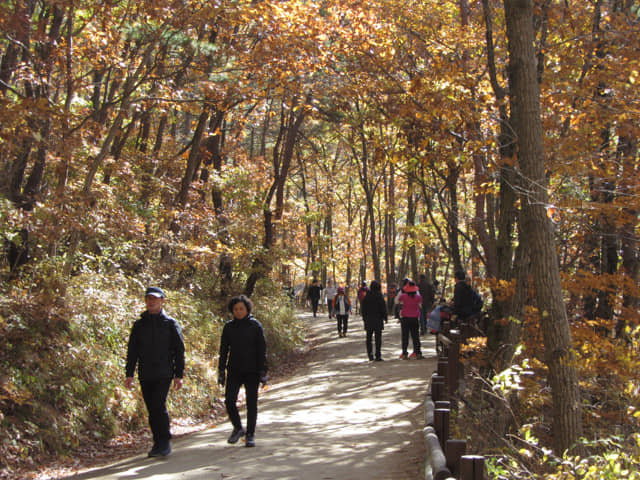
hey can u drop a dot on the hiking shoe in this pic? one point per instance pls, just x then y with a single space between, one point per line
165 450
404 356
235 435
154 452
249 441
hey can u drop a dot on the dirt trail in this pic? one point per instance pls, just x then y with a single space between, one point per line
339 417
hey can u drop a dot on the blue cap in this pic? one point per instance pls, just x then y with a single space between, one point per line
154 292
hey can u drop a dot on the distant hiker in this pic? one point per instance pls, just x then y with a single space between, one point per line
243 361
342 308
411 302
314 295
374 315
362 291
466 301
396 304
392 291
156 347
330 292
428 294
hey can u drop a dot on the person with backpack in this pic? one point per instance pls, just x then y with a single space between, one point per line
341 309
466 301
242 361
157 348
374 315
411 302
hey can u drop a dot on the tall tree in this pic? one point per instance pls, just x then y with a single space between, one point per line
527 125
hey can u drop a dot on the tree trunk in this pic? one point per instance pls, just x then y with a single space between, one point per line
194 159
527 124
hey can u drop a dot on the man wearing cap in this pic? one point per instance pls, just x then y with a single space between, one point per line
156 346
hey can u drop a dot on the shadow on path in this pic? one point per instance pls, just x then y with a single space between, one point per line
339 417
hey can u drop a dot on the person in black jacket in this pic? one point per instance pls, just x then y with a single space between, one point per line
156 346
462 297
314 295
374 315
243 361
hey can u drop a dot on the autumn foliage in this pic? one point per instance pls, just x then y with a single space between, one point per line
220 147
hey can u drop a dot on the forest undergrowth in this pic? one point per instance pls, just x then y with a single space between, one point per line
508 416
62 354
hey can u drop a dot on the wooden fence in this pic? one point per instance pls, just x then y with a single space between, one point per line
447 458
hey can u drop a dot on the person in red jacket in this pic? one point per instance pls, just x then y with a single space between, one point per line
411 302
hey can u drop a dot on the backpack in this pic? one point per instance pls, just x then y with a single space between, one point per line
476 301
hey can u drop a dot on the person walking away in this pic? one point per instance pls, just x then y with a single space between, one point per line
462 297
330 292
242 361
157 348
314 295
362 291
342 308
374 315
396 303
428 294
411 302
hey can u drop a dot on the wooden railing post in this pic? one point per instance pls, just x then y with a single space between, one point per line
471 467
441 417
437 388
454 451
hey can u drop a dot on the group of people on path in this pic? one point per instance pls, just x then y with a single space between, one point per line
411 304
156 348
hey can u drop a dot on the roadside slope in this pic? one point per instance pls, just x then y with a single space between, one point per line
338 417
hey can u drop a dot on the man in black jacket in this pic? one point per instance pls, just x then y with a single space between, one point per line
243 361
156 346
462 297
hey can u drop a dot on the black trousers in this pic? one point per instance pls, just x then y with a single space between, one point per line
343 322
410 326
314 305
378 343
155 394
251 382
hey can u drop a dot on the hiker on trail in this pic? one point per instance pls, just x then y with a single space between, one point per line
428 294
330 292
362 291
314 295
374 315
342 308
462 297
411 302
243 361
392 292
466 302
156 347
396 303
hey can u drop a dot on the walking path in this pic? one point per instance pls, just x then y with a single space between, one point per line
338 417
